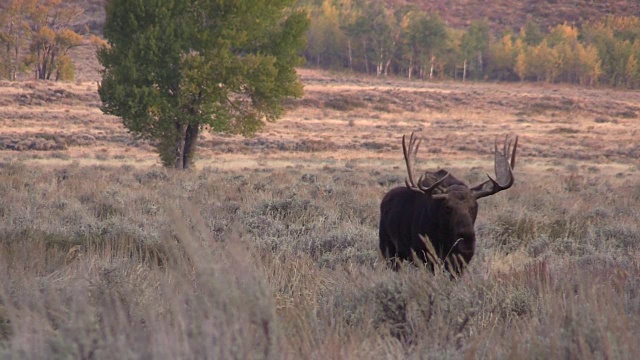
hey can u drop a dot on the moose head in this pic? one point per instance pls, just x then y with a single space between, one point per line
433 219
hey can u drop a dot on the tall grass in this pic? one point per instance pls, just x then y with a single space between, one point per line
101 262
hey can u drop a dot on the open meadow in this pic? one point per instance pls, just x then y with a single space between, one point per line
269 248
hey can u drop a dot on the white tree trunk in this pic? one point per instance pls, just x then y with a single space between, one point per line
433 60
464 71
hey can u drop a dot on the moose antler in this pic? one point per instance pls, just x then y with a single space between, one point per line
504 171
409 155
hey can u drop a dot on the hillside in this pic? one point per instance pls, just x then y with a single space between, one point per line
505 14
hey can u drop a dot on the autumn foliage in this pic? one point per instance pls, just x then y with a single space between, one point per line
375 38
35 36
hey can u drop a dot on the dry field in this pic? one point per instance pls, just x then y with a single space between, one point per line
269 248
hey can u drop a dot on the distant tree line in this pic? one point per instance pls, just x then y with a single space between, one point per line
35 36
373 38
369 37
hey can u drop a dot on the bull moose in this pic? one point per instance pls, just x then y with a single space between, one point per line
439 209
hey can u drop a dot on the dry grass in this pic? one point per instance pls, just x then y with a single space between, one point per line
103 262
360 117
269 248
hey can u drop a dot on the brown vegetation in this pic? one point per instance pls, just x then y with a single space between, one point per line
283 263
510 14
559 124
269 247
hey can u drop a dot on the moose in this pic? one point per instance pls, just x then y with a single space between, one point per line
432 220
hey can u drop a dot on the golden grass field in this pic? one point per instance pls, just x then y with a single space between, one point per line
268 249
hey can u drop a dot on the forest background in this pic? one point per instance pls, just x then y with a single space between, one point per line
580 41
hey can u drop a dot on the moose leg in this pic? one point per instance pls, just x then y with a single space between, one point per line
388 249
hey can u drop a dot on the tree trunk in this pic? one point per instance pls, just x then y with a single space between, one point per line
364 51
464 71
16 61
39 67
44 67
180 141
350 55
51 66
433 60
380 65
410 66
11 34
191 136
14 66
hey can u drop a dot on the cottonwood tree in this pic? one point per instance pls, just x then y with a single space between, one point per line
502 57
617 41
349 11
37 34
172 68
378 24
474 44
52 38
373 31
424 38
531 33
326 38
14 33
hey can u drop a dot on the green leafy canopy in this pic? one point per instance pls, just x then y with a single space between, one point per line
222 63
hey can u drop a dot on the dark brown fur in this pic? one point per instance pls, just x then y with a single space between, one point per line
406 214
439 209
